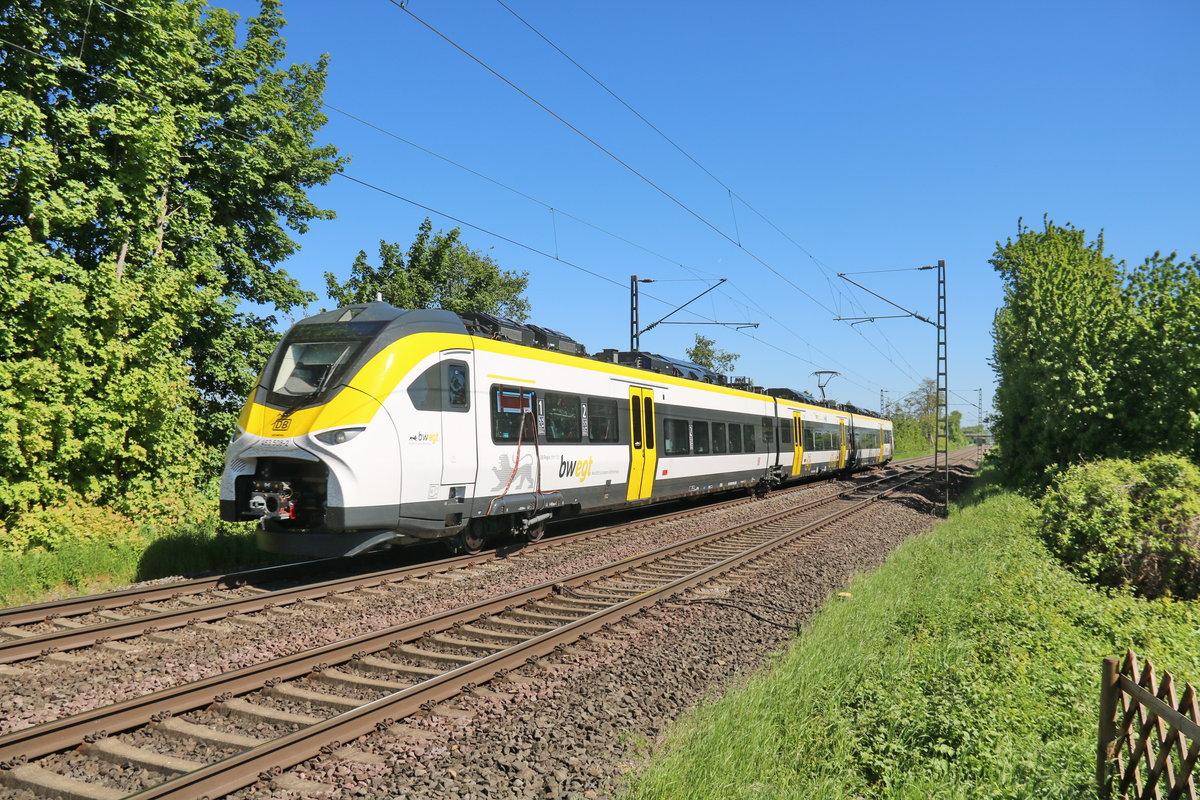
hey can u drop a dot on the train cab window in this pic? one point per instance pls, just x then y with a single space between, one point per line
456 385
748 436
719 442
768 427
888 436
735 438
602 420
675 437
563 417
785 432
509 407
700 444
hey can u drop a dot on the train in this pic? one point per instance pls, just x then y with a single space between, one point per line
373 426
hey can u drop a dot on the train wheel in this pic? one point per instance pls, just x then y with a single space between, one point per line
470 539
534 533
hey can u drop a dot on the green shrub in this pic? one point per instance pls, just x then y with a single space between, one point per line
71 523
1128 524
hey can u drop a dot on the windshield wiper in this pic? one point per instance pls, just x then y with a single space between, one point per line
306 398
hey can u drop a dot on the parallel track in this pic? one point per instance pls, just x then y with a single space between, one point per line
125 616
321 697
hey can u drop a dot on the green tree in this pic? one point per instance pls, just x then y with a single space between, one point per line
154 161
1059 341
438 272
706 354
1159 391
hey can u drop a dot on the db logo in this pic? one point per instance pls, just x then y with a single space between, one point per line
281 424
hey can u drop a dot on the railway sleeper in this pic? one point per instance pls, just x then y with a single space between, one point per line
535 615
530 629
337 677
244 709
287 691
483 648
182 729
421 654
120 752
384 667
571 601
33 778
498 636
575 607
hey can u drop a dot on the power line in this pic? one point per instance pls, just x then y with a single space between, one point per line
829 274
158 103
732 194
400 5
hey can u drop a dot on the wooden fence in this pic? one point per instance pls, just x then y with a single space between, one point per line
1149 738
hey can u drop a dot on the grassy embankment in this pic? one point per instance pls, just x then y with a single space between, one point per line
81 549
967 666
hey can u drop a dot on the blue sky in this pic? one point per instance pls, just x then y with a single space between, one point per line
873 135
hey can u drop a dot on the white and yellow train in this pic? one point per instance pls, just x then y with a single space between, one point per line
372 426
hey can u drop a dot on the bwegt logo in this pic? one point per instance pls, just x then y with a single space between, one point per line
580 469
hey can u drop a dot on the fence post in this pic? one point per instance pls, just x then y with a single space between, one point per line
1109 693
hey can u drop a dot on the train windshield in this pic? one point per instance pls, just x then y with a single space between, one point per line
314 358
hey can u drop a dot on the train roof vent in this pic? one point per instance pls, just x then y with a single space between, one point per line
556 340
479 323
791 394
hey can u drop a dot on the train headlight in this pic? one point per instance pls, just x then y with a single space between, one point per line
339 436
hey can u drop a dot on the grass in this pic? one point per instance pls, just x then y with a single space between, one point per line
81 567
967 666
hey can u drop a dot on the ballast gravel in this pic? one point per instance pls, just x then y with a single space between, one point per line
569 726
52 687
576 724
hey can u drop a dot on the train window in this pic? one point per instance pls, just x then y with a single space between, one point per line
602 420
700 438
635 409
509 408
563 417
785 431
748 437
675 437
649 423
719 441
888 434
735 438
425 391
457 384
768 426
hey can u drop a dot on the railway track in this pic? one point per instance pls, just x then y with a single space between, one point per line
69 624
263 718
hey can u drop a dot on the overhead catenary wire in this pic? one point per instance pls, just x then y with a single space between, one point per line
403 7
736 242
732 194
124 88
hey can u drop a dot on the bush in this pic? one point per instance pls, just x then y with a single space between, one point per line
1128 524
72 523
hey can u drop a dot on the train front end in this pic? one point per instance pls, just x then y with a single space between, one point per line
316 457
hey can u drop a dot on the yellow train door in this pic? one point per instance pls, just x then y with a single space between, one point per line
842 449
797 444
643 453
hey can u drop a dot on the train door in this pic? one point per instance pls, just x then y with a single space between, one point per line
458 434
797 444
844 443
643 456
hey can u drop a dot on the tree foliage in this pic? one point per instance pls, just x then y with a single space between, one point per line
914 421
706 354
439 271
154 160
1093 360
1118 522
